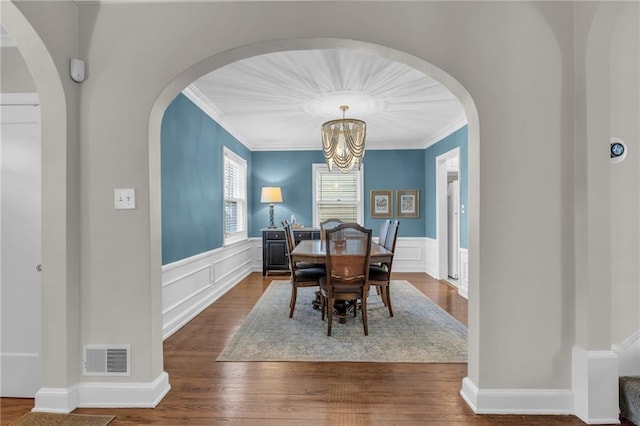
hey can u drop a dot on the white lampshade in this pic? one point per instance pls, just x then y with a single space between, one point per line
271 194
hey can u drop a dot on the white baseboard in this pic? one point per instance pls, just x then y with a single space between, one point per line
517 401
628 353
56 400
121 395
102 395
594 379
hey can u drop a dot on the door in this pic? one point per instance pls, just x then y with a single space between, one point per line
452 225
20 224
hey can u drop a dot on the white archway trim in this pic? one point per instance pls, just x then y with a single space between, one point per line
216 61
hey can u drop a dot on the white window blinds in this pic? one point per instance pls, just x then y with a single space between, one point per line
337 195
235 197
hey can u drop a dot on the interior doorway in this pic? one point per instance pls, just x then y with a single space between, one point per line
448 216
20 246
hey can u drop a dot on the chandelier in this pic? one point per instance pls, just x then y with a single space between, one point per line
343 142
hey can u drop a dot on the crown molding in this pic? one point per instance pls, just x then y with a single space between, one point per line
450 129
202 102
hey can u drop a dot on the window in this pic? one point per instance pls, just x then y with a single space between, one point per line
337 195
235 197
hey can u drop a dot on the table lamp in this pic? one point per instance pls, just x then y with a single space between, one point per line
271 194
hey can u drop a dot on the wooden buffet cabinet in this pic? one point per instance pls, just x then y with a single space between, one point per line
274 247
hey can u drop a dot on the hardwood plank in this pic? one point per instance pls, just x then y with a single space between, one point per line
293 393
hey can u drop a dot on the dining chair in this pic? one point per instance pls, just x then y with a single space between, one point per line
380 275
348 251
384 228
302 274
291 244
325 225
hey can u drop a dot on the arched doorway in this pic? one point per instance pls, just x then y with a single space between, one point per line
60 251
217 61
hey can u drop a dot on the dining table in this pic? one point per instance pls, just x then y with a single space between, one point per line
314 251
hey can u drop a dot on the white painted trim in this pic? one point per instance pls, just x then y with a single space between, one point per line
209 108
516 401
594 379
463 279
627 343
115 395
56 400
628 353
441 213
187 291
449 130
102 395
431 257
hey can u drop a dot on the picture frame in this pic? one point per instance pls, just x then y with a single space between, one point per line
408 203
381 204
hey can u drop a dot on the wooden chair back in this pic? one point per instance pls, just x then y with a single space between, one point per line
384 229
325 225
348 248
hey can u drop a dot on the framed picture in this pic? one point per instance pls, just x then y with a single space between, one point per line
408 203
381 204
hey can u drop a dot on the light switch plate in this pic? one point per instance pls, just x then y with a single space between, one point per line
124 198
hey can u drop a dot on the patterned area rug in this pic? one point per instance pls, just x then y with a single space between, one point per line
50 419
420 331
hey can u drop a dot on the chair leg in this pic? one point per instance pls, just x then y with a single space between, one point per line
387 292
329 315
322 305
292 304
364 314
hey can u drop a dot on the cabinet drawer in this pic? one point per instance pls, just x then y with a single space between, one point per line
274 235
302 235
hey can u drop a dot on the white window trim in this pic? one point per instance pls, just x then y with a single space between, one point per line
244 234
323 167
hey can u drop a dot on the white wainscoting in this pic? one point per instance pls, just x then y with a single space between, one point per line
431 256
411 255
190 285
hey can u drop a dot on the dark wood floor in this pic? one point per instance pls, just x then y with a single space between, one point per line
294 393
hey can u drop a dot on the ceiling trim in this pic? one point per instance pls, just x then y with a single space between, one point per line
450 129
202 102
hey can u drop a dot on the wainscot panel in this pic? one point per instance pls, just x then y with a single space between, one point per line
190 285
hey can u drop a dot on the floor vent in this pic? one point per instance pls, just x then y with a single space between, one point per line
106 360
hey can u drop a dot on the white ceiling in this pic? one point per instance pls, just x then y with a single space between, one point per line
279 101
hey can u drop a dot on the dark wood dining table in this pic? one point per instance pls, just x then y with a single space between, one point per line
314 251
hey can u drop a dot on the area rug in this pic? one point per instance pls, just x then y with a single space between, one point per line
419 332
50 419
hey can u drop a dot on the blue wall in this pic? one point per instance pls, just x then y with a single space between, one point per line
292 171
191 168
191 144
454 140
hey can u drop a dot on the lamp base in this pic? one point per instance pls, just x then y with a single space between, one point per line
271 224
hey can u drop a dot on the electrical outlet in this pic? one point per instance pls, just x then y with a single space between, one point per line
124 198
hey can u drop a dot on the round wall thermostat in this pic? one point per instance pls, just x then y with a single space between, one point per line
618 150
